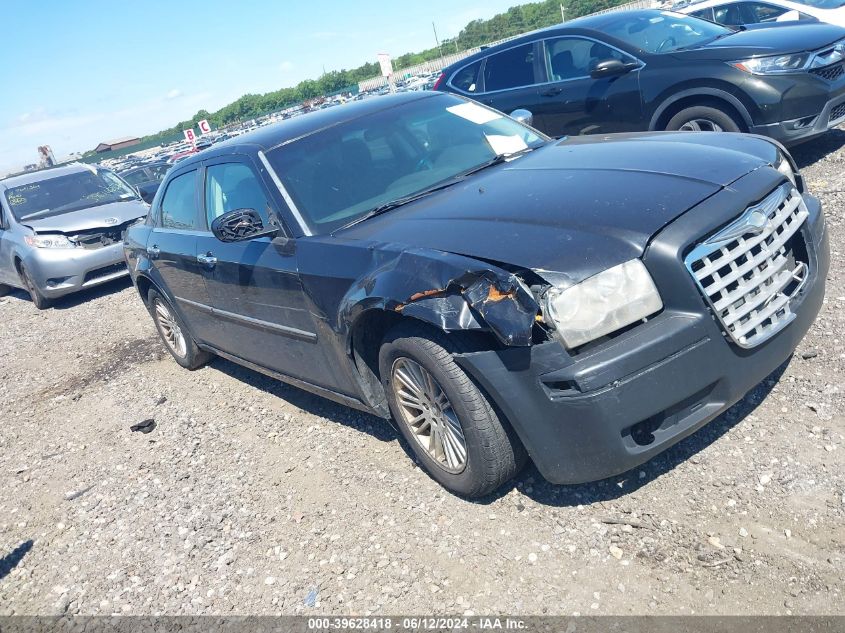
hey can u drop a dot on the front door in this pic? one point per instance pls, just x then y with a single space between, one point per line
573 103
254 285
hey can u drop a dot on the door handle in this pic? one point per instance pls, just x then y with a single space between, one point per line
153 251
208 260
551 92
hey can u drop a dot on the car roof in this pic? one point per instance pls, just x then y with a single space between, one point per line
270 136
38 175
591 25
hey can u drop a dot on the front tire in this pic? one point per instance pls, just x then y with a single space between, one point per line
175 336
703 119
451 426
41 302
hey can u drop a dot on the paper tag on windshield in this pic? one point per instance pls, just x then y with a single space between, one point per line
505 144
474 113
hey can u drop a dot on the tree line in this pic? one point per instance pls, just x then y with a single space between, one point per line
516 20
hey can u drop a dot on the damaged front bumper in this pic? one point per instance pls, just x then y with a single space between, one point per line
592 415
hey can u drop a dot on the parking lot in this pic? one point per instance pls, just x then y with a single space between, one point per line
250 496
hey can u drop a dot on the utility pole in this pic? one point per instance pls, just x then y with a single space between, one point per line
436 39
562 13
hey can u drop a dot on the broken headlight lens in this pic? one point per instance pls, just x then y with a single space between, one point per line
602 304
785 167
49 241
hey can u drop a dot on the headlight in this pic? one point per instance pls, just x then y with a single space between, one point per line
785 167
49 241
776 65
602 304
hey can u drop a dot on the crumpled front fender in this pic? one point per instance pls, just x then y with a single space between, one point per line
449 291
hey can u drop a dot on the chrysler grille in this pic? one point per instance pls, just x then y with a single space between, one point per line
750 270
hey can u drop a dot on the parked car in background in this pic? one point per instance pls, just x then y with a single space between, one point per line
146 178
61 230
591 301
655 70
747 12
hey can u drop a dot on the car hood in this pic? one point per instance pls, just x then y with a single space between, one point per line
102 216
575 206
776 39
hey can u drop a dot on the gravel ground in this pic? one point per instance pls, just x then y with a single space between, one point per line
250 496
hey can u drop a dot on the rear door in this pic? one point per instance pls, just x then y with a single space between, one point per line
172 251
573 103
509 78
254 285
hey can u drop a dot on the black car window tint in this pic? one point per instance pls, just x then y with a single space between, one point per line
178 207
466 78
510 69
704 14
231 186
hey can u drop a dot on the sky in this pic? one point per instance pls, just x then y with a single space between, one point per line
78 73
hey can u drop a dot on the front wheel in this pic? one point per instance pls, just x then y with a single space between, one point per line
174 334
451 426
702 119
41 302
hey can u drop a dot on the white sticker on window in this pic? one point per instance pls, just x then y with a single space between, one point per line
473 112
505 144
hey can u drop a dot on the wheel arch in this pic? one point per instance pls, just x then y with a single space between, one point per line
701 97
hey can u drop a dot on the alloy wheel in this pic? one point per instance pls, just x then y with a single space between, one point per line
426 410
701 125
170 330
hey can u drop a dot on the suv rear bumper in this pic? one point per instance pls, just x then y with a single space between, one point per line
58 272
603 412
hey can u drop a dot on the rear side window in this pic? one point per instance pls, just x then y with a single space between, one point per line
510 69
179 205
704 14
466 78
729 14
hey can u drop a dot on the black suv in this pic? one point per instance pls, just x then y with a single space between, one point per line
586 302
655 70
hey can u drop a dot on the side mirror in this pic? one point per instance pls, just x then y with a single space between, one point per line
526 117
241 225
612 68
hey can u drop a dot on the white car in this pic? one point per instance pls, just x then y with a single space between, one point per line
741 12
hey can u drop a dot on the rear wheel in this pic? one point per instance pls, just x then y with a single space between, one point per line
703 119
174 334
451 426
41 302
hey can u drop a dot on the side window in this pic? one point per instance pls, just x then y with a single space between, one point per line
762 12
728 14
572 57
466 78
510 69
178 206
230 186
704 14
157 172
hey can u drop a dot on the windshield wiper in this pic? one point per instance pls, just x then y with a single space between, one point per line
398 202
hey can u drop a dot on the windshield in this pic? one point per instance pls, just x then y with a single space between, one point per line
662 31
136 177
63 194
341 173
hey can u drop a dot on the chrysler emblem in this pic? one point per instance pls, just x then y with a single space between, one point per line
110 221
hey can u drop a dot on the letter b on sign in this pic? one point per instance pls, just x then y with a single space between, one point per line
190 136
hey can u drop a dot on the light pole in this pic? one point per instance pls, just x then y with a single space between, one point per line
437 40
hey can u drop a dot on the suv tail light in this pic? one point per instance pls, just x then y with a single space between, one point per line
440 81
